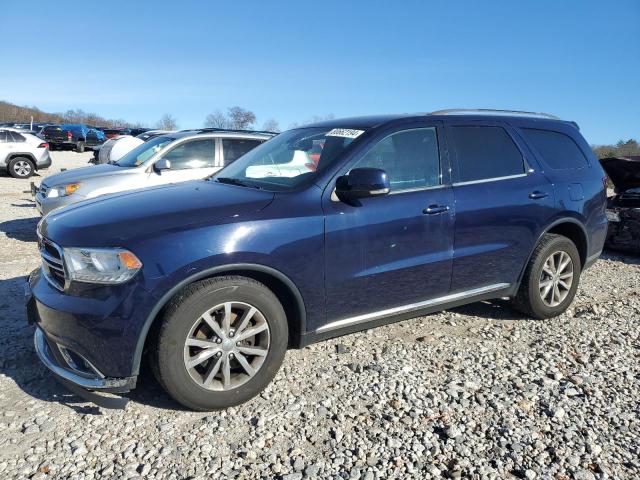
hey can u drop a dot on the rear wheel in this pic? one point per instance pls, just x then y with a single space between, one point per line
222 340
80 147
551 279
20 167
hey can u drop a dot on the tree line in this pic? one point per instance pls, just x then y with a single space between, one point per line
10 112
624 148
236 118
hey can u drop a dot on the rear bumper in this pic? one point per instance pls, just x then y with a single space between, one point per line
45 161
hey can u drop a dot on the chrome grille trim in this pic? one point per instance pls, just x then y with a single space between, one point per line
52 267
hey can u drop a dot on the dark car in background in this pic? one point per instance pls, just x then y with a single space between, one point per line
72 136
138 131
115 132
321 231
623 208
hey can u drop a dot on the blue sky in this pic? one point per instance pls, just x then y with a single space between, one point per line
294 60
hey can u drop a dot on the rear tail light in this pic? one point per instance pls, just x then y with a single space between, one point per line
43 145
69 135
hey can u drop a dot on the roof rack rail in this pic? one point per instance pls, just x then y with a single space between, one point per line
215 129
471 111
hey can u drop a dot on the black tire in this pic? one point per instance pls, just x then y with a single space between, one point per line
21 167
80 147
167 355
528 300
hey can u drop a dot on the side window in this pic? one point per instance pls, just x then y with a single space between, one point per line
16 137
3 136
234 148
559 151
193 154
485 152
409 157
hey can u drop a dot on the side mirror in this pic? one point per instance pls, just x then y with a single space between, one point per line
162 164
362 183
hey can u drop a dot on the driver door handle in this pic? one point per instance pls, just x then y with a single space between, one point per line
537 195
435 209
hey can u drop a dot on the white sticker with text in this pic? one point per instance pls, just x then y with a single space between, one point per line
344 132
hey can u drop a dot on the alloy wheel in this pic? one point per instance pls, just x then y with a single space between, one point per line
22 168
556 278
227 346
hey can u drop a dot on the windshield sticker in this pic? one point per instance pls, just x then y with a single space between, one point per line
344 132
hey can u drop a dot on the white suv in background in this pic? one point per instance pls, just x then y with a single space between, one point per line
21 154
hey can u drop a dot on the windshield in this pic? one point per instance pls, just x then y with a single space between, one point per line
289 159
144 152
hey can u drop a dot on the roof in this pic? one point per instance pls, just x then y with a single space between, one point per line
220 133
372 121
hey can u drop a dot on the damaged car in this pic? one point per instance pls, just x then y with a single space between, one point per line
623 208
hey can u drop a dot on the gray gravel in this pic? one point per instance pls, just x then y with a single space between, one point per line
477 392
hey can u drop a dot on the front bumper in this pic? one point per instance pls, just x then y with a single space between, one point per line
45 205
99 323
60 368
70 368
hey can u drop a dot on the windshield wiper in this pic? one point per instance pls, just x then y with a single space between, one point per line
237 181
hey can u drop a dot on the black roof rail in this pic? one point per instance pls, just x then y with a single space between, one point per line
232 130
471 111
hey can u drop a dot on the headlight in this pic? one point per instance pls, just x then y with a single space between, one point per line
101 265
63 190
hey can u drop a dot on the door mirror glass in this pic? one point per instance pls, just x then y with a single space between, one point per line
362 183
162 164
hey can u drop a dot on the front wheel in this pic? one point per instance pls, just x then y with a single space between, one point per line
551 279
221 342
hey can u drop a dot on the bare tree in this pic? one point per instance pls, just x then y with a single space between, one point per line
217 119
271 125
241 119
167 122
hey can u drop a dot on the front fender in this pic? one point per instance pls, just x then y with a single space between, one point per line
209 272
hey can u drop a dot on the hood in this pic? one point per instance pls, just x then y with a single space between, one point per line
624 172
84 173
112 220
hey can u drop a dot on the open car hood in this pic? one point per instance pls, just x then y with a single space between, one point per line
624 172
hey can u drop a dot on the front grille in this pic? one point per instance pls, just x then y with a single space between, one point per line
52 263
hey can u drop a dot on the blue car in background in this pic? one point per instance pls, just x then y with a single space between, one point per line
321 231
73 136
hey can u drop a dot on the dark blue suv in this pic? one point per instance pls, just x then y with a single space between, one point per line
321 231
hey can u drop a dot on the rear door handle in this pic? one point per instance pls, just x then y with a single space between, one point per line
435 209
537 195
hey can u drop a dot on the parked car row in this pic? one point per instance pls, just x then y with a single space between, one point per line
78 137
320 231
73 136
162 159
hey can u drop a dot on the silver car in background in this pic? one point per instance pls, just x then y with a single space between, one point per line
171 158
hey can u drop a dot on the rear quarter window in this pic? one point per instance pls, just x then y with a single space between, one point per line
485 152
558 151
15 137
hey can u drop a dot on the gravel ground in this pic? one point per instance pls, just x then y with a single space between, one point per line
477 392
